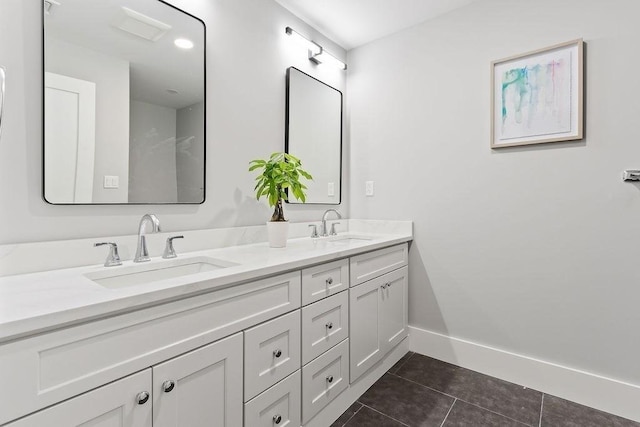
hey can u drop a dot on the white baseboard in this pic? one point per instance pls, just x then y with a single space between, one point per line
588 389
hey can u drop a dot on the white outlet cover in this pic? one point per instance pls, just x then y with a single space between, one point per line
331 189
369 190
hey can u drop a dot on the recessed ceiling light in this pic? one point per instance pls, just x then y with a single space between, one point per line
183 43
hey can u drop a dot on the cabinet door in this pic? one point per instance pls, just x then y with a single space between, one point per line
200 388
393 309
364 301
119 404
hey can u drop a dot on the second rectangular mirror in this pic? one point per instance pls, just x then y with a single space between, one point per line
313 133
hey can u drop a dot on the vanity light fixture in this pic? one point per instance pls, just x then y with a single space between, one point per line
183 43
317 53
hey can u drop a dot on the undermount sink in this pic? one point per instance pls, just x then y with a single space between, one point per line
345 240
147 273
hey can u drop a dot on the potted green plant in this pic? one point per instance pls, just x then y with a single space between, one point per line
280 173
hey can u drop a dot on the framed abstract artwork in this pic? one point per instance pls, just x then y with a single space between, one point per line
537 97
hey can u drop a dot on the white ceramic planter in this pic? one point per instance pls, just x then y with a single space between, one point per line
278 232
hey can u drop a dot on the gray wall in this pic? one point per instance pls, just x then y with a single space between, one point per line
247 55
111 76
152 154
532 250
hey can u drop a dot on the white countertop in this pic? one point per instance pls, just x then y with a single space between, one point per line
36 302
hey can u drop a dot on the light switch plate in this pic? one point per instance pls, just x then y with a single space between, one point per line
331 189
368 188
111 181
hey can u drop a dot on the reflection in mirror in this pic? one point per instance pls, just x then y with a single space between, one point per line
124 106
314 134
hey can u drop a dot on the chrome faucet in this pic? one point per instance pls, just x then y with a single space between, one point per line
142 254
323 227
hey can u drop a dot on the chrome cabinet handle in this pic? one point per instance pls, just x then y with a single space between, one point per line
277 419
2 79
330 379
168 385
329 325
277 353
329 281
142 397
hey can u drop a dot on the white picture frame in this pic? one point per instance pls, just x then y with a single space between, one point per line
537 97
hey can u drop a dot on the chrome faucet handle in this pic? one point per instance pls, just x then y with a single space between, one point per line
333 229
113 258
169 251
314 233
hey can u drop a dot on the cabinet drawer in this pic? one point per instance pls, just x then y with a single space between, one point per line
367 266
279 406
324 280
272 352
48 368
324 324
324 379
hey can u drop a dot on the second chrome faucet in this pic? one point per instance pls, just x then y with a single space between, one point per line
323 228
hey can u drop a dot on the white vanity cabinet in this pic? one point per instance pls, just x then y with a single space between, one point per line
281 350
378 310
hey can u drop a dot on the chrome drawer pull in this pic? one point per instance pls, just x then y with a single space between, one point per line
142 397
330 379
277 419
277 353
329 281
167 386
329 325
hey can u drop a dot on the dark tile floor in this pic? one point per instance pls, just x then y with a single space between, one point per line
421 391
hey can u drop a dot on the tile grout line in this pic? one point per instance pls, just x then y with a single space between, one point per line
447 416
405 362
462 400
354 414
386 415
541 409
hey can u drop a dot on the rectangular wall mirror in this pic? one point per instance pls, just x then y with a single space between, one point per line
124 103
314 134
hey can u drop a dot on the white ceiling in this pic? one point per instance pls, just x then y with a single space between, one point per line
352 23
